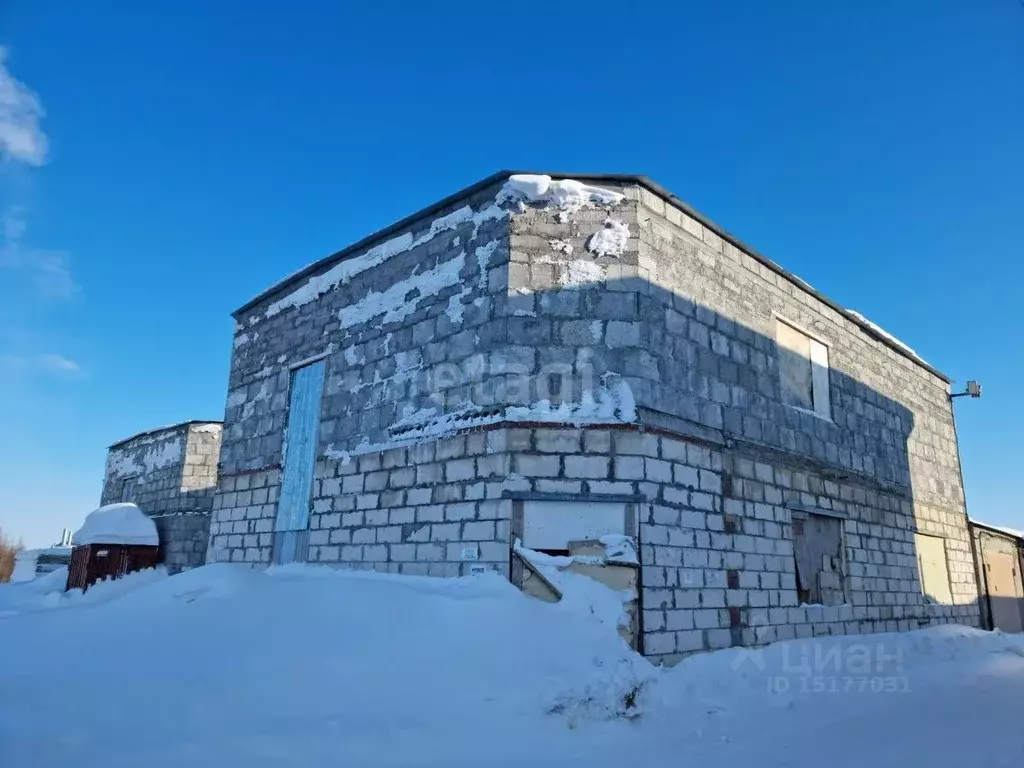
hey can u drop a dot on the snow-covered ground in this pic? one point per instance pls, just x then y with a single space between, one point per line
299 666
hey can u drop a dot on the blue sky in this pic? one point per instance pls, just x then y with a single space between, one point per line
163 163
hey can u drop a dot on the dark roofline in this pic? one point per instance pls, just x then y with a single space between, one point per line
622 178
167 428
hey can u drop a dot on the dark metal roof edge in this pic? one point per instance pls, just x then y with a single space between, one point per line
167 428
625 178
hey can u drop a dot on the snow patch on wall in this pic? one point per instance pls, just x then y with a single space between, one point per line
345 270
568 195
610 403
610 240
237 397
250 404
483 255
561 246
406 365
580 272
393 303
129 460
454 308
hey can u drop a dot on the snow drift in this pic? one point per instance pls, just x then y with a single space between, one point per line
303 666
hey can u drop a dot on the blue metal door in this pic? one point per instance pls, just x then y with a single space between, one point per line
300 444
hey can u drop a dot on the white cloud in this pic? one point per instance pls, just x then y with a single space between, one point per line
57 363
13 223
49 363
21 138
48 272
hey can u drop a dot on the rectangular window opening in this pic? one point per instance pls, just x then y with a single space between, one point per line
818 556
803 370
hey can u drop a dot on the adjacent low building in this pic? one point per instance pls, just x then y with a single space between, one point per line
171 474
999 560
553 361
30 564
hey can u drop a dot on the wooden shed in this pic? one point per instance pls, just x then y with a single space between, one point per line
114 540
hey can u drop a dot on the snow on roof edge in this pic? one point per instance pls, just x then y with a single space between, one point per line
115 524
165 428
1001 528
641 180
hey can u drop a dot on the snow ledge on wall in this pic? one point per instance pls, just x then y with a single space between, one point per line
610 403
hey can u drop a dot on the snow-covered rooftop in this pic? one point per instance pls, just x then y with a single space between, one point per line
562 190
1002 528
117 524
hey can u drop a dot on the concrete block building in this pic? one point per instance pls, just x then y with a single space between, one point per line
171 474
550 360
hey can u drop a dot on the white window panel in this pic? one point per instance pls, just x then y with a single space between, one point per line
795 366
803 370
553 524
819 379
931 563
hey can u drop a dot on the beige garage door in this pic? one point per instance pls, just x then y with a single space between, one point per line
1004 591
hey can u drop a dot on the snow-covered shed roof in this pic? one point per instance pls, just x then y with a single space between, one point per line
117 524
865 325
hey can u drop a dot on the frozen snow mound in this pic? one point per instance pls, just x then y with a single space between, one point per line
117 524
610 240
311 665
567 194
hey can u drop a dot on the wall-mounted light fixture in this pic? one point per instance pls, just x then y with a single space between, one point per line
973 390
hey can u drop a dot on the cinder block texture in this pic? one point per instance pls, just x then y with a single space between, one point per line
171 474
499 346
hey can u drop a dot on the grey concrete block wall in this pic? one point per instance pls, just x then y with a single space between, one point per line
420 441
171 474
377 370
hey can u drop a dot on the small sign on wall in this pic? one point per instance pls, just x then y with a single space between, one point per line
478 569
470 554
